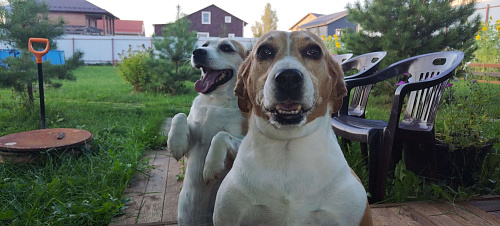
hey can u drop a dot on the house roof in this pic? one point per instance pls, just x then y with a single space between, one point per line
325 19
245 23
75 6
126 26
303 18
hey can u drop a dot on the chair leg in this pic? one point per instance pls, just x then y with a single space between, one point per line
344 143
364 152
376 183
396 154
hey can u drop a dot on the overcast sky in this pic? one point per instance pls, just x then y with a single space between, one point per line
163 11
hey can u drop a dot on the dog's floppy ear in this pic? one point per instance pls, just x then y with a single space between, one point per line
240 90
338 86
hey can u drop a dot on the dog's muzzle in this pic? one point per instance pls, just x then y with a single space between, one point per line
210 78
289 88
289 84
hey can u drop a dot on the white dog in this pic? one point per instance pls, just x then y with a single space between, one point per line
214 118
289 169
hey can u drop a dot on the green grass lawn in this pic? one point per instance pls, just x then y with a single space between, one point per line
88 190
65 190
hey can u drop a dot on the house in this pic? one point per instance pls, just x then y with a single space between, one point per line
81 17
331 24
306 19
126 27
211 21
488 9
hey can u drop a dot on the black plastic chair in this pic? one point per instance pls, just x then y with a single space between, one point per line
343 57
366 65
430 74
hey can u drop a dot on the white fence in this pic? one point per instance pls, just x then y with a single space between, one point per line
105 49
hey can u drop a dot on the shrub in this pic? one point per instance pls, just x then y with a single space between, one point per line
132 69
146 72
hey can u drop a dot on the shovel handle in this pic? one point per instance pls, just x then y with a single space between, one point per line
39 54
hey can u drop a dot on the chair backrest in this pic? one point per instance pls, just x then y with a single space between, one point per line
366 64
421 105
341 58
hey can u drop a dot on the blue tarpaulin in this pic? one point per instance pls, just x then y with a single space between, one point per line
55 56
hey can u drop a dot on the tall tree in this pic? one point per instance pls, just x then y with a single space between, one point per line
269 22
406 28
21 20
178 42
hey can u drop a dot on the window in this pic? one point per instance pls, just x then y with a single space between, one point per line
228 19
339 32
203 34
230 35
205 17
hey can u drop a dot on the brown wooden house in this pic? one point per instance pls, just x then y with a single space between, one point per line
81 17
211 21
306 19
126 27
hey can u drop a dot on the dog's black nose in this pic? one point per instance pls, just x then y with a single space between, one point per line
199 53
289 79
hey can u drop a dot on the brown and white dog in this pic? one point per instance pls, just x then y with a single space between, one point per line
214 120
290 169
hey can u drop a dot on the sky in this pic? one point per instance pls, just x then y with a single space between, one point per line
164 11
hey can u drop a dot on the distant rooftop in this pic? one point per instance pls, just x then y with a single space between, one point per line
325 19
75 6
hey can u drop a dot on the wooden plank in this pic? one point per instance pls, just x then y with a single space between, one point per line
463 216
484 65
135 192
151 210
397 215
487 217
487 205
493 74
172 191
430 212
496 213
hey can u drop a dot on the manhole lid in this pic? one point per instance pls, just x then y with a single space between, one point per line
44 139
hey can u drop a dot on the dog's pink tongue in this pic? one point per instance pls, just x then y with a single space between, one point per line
202 85
288 106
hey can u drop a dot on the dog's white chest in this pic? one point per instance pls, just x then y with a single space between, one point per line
206 120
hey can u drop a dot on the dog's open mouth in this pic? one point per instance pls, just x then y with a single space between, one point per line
288 113
211 79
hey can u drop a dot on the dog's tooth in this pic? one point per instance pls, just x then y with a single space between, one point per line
299 108
277 108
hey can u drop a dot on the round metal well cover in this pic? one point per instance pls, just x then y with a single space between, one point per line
44 139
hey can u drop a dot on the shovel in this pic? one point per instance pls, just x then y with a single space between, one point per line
39 60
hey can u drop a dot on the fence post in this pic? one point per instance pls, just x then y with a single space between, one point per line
487 14
112 50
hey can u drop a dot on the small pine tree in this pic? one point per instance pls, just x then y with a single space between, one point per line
23 20
178 42
406 28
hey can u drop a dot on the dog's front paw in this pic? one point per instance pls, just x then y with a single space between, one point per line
178 136
216 157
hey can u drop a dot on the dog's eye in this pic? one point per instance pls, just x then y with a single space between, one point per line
313 52
226 48
265 52
205 45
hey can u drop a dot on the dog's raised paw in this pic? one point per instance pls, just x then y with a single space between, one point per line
178 136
